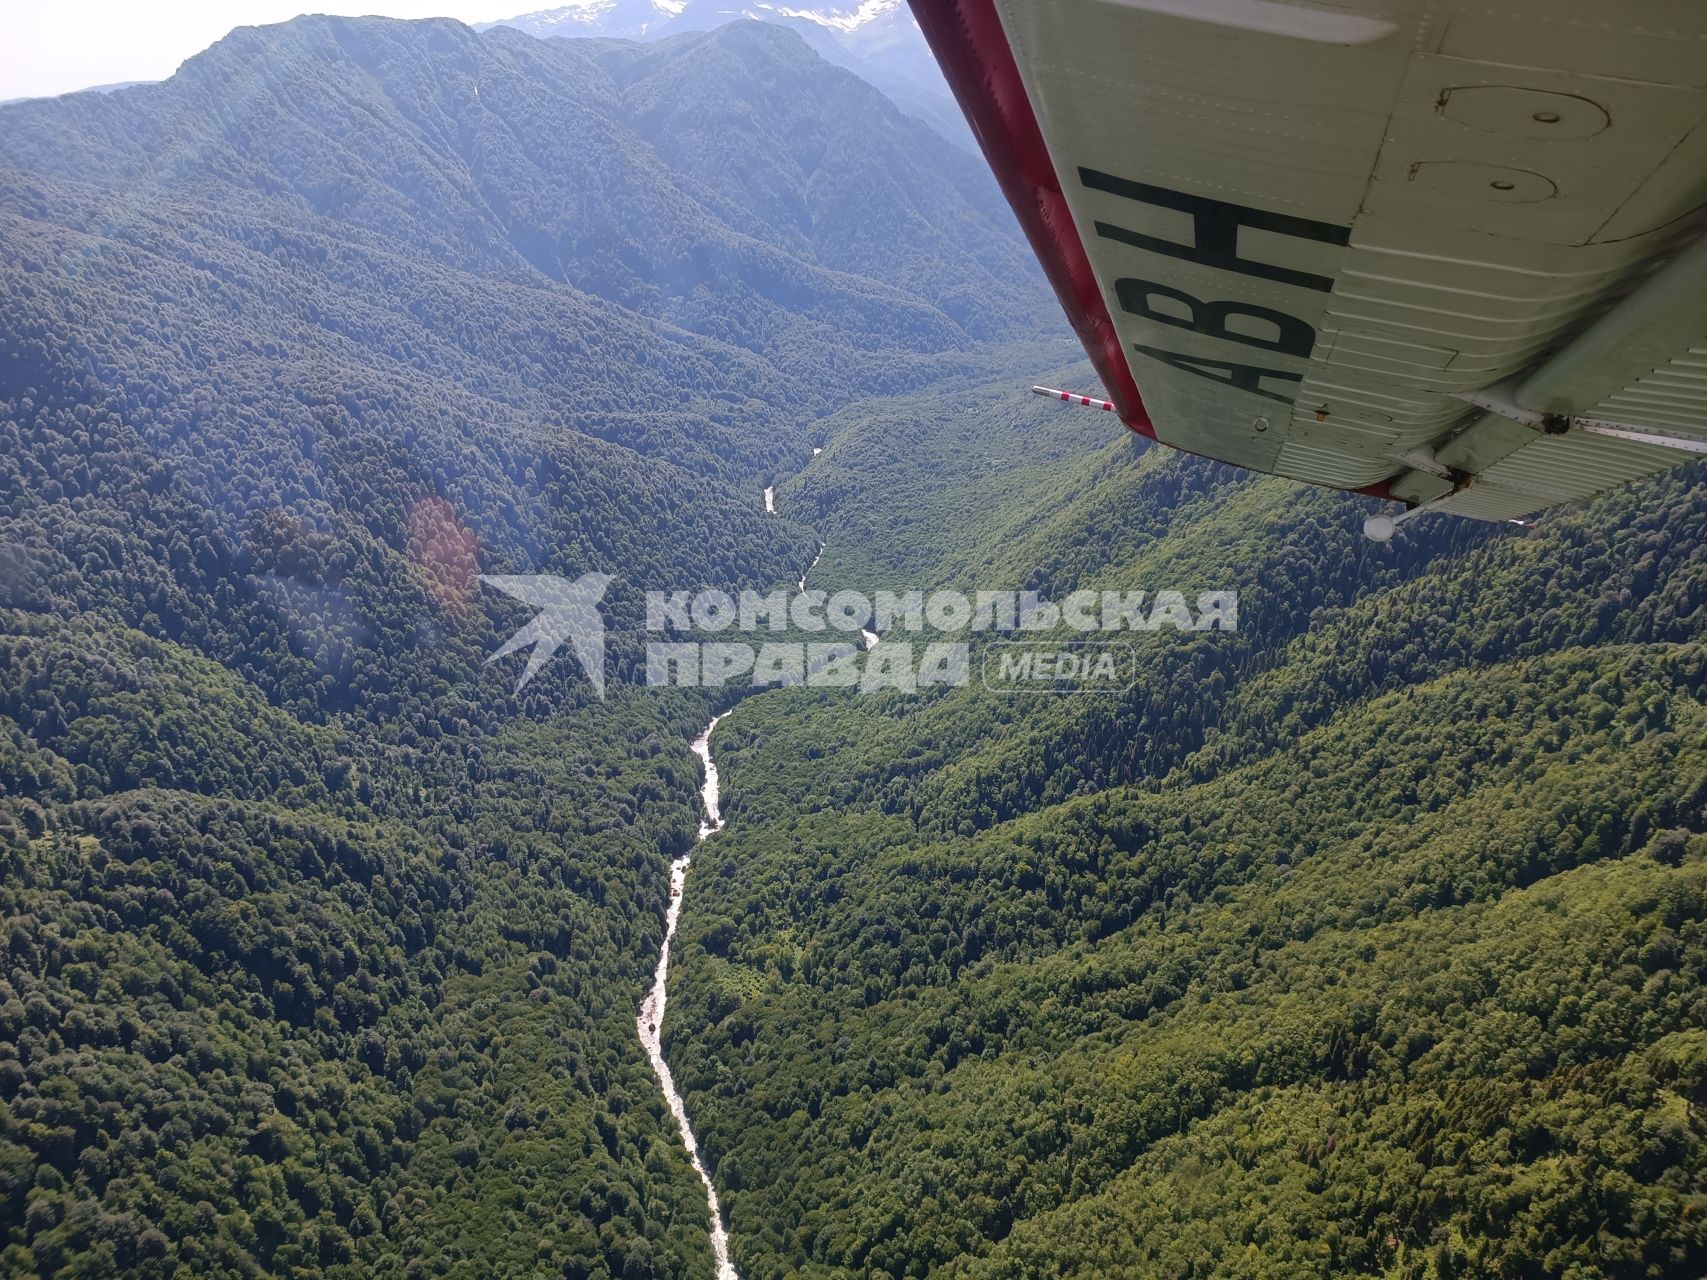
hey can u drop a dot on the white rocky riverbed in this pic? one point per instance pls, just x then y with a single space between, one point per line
651 1021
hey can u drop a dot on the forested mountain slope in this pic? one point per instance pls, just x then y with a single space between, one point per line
281 1001
347 294
878 40
527 161
1367 940
322 945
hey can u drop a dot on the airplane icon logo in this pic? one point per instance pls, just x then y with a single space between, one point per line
568 613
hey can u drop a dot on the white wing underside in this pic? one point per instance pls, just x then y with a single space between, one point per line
1317 227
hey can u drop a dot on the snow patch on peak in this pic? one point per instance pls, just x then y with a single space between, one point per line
593 13
841 19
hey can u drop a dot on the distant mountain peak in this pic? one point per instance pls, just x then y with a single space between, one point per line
631 19
635 19
836 19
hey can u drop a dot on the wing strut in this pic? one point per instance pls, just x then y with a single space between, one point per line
1500 400
1073 397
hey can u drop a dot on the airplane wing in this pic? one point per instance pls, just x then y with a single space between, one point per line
1444 251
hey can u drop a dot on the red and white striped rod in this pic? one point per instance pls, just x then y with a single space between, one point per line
1070 397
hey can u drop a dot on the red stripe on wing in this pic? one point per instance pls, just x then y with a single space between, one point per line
968 40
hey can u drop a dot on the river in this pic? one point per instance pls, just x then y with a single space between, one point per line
815 559
651 1020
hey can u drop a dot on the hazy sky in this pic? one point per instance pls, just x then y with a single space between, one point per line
55 46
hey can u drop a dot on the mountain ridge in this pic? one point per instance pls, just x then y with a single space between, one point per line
877 40
397 175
